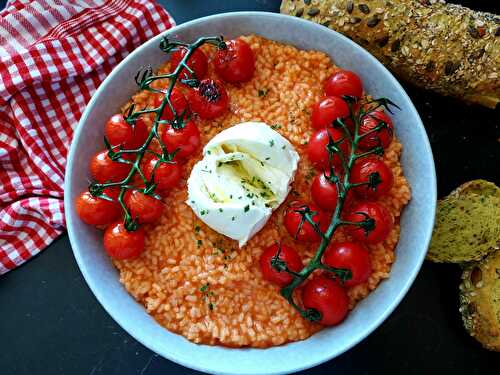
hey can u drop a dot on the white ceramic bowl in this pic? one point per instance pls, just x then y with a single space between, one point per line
416 223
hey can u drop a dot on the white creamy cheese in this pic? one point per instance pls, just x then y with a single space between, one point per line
244 175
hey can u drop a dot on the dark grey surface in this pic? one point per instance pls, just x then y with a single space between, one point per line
50 323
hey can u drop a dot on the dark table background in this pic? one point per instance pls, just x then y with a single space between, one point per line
50 322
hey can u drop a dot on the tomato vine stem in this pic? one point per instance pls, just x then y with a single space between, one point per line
343 185
144 79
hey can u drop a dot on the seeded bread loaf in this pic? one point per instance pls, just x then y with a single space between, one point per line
446 48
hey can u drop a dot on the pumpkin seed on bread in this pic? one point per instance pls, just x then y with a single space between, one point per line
480 301
467 224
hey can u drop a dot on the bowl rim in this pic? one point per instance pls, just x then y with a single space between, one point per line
369 328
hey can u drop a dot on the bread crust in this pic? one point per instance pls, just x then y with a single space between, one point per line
447 48
480 301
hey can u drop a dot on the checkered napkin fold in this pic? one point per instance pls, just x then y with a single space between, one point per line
53 56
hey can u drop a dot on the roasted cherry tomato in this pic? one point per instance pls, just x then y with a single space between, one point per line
98 211
328 297
187 139
351 256
209 99
144 208
382 137
235 63
197 62
103 169
120 133
344 82
178 101
119 243
317 148
167 175
324 192
374 169
287 255
306 232
327 111
382 225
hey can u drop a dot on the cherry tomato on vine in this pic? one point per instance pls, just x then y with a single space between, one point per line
98 211
326 296
103 169
344 82
288 255
178 101
351 256
383 222
325 112
304 232
209 100
235 63
119 243
381 137
317 148
186 139
167 175
119 132
198 63
144 208
371 168
324 192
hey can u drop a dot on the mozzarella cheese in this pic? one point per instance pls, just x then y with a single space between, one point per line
244 175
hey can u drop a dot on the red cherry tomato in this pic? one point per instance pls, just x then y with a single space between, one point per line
178 101
187 139
370 210
235 63
327 111
209 100
382 137
352 256
119 132
167 175
198 63
144 208
287 255
361 172
344 82
305 232
326 296
103 169
317 148
98 211
122 244
324 192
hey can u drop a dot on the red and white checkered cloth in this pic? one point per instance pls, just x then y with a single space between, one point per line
53 56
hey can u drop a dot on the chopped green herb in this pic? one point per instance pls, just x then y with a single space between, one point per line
211 306
271 143
233 218
199 243
268 158
247 208
262 92
203 212
283 147
209 152
204 287
275 126
262 163
231 196
197 229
